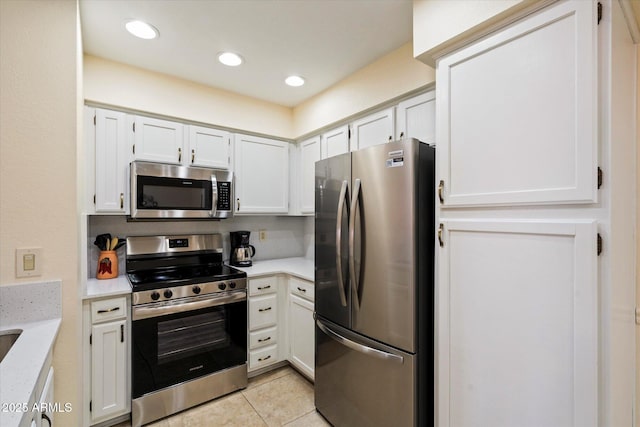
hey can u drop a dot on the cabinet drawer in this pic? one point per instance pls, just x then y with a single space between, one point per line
301 288
263 357
263 337
108 309
263 285
263 312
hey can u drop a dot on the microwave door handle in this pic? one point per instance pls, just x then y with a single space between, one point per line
214 195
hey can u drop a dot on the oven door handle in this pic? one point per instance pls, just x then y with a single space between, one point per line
163 309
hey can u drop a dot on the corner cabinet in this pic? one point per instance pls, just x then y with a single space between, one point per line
301 326
536 266
107 350
262 175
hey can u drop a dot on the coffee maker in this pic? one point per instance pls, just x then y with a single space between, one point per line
241 250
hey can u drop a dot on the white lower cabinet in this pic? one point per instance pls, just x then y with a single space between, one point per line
107 358
301 326
263 322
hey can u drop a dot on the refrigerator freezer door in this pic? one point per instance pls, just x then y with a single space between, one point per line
382 239
333 184
360 382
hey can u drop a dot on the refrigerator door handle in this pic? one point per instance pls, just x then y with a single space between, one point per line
342 197
370 351
352 236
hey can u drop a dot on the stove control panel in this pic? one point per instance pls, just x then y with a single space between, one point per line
185 291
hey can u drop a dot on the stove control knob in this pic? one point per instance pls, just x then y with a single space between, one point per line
232 285
222 286
196 289
168 293
155 295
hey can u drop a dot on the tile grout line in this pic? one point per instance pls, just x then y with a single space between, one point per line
255 410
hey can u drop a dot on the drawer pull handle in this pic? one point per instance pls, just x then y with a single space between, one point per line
262 359
262 288
264 339
109 310
301 289
264 309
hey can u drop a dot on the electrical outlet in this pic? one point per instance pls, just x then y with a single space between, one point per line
28 262
262 235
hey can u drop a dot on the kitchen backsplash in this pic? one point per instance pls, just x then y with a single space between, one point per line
287 236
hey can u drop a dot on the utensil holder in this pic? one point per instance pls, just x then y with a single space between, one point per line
107 265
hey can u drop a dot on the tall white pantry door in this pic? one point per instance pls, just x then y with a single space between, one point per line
533 326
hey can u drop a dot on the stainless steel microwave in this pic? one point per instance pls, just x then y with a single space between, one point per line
161 191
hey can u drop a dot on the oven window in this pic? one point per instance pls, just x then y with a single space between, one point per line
174 348
192 335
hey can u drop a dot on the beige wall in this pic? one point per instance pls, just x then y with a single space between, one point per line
390 76
38 139
439 23
121 85
637 232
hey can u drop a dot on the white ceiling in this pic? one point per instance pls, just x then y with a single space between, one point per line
321 40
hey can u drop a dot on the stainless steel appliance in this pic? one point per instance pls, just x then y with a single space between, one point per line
374 249
160 191
189 324
241 250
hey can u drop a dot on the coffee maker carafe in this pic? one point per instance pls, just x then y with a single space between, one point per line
241 250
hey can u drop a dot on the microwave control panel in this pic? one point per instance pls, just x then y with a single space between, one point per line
224 196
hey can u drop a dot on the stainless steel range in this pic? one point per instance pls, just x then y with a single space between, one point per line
189 329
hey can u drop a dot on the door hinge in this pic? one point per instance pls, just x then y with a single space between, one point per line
91 406
94 120
134 148
599 245
94 199
134 126
91 339
349 133
599 177
599 12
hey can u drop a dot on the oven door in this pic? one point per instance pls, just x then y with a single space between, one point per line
181 340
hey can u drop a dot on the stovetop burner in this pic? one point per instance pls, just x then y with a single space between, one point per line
178 276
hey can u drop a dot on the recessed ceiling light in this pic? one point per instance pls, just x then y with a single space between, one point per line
294 81
141 29
229 58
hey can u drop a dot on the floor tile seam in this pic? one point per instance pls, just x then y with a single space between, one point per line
301 416
255 409
265 383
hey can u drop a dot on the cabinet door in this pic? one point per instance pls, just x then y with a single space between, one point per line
262 175
517 113
108 370
517 333
416 118
302 334
112 161
309 155
158 140
209 148
374 129
335 141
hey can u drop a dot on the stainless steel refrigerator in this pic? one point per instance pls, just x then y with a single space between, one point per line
374 258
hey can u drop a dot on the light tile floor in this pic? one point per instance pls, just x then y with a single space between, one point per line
281 397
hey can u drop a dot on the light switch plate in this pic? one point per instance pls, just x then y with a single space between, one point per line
28 262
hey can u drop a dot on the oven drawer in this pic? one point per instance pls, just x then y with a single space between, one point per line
301 288
108 309
263 357
263 285
263 337
263 311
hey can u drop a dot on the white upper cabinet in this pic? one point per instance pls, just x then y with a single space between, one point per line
209 148
517 117
335 141
309 155
158 140
111 161
374 129
416 118
262 175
